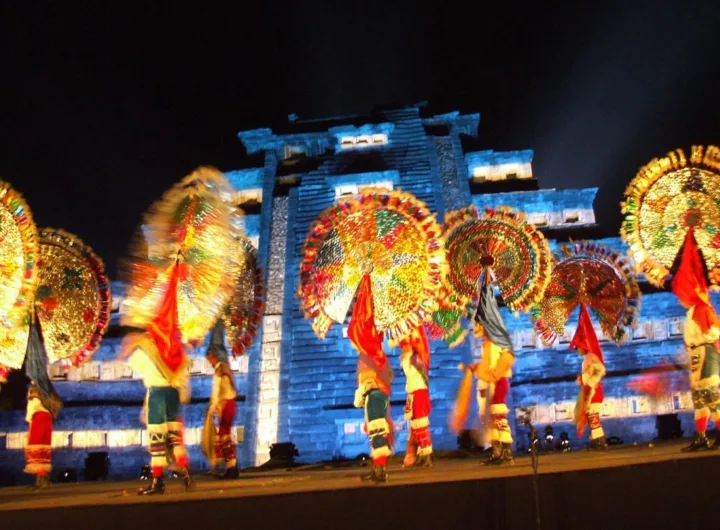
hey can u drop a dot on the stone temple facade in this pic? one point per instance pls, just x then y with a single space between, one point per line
297 388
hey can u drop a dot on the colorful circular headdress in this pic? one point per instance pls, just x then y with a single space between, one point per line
72 298
193 225
243 315
445 322
18 276
502 240
666 198
594 275
389 234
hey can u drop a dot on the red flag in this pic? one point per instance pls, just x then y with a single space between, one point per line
585 337
164 327
365 337
690 286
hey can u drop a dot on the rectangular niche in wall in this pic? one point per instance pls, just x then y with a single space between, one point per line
58 373
124 438
538 219
571 217
239 434
528 339
197 366
566 337
563 412
544 414
608 409
676 328
640 332
16 440
639 405
347 142
90 371
363 141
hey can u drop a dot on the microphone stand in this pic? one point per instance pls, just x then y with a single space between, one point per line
534 441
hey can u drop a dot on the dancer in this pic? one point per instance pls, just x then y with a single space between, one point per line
590 398
700 336
222 404
415 362
159 356
374 376
43 407
494 372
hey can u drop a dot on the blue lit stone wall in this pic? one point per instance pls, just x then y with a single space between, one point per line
299 388
320 418
255 357
540 201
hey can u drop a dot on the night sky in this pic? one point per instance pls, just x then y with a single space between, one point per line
104 105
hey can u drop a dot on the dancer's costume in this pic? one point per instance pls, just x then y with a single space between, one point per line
383 249
222 403
594 277
701 341
590 398
43 407
497 247
159 356
415 362
671 196
54 308
177 301
494 372
374 377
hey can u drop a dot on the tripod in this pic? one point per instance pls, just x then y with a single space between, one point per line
534 442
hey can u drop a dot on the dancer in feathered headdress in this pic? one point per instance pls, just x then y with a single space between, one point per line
701 340
222 404
498 247
494 372
159 356
598 279
415 362
383 246
670 211
374 377
587 409
181 277
43 407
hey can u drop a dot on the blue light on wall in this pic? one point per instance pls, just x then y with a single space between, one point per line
317 377
541 201
245 179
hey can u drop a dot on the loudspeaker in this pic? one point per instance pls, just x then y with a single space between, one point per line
97 466
668 427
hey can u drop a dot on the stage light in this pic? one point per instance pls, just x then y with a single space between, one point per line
67 476
145 473
564 442
549 438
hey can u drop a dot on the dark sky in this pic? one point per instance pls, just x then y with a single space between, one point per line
103 105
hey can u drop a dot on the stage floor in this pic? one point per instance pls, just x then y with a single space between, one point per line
319 478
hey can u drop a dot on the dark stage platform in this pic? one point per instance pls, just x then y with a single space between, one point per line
625 487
